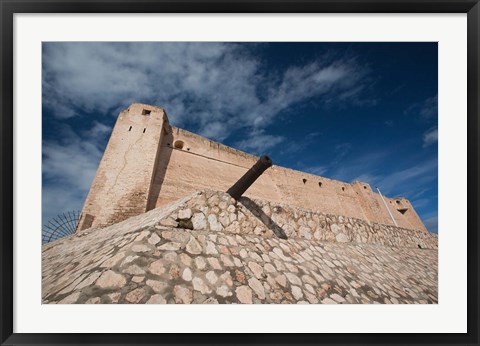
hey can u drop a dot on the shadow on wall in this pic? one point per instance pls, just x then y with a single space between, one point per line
256 210
163 161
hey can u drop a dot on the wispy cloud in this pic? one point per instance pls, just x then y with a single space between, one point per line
412 182
425 110
258 142
68 168
294 147
417 175
362 167
215 87
317 170
341 151
368 178
370 168
429 108
430 137
388 123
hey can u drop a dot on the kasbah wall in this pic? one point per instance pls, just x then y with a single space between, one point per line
149 163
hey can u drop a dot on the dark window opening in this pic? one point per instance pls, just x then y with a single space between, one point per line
188 149
343 188
144 130
398 202
419 246
365 187
146 112
403 210
320 184
130 129
304 180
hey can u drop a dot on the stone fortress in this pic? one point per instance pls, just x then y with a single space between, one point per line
157 227
148 163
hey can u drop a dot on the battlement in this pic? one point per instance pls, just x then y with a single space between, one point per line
148 164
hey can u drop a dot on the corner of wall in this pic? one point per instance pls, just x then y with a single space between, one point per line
124 177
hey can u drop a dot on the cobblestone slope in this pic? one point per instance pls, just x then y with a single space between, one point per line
206 248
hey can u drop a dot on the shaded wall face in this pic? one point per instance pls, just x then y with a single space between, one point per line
189 162
122 183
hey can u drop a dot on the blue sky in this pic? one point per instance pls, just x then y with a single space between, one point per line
346 111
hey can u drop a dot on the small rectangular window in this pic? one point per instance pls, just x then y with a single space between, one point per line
146 112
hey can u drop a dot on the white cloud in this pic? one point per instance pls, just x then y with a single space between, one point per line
418 175
258 142
341 151
367 178
429 108
294 147
359 167
426 110
68 168
317 170
215 87
368 167
58 199
430 137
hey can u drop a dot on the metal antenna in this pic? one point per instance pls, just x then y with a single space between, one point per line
61 226
386 206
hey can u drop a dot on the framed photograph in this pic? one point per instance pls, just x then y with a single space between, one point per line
286 173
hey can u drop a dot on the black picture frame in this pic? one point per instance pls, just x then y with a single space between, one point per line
10 7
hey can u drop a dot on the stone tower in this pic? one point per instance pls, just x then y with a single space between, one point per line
122 183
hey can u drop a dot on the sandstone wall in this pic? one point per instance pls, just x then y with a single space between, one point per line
190 162
148 163
122 183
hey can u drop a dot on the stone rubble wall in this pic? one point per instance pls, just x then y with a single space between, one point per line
216 211
205 248
160 265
